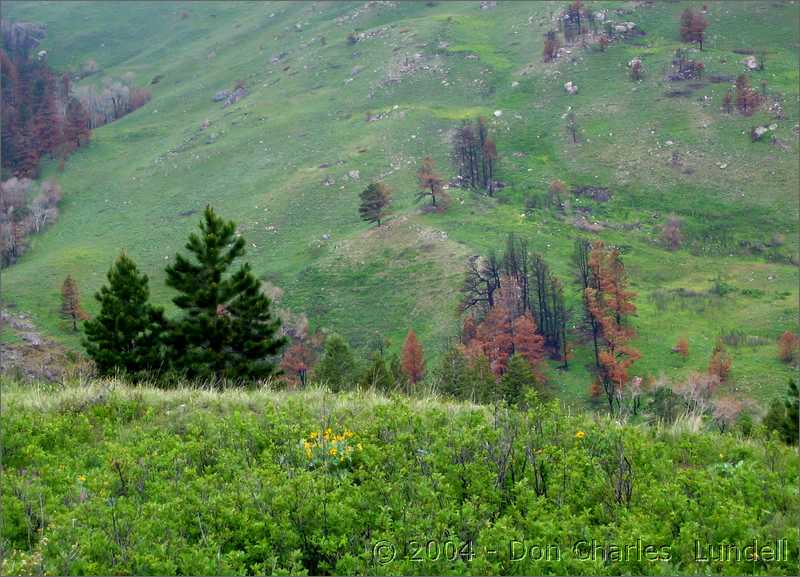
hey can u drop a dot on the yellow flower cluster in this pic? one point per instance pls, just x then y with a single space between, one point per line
580 435
327 443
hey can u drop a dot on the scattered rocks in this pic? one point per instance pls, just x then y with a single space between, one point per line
597 193
584 225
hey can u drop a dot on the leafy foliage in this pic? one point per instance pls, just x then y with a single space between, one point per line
136 481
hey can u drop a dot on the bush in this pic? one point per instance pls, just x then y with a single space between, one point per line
136 481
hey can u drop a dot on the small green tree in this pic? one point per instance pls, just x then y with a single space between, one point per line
517 379
454 375
791 423
227 330
375 200
377 374
482 386
337 367
783 416
128 333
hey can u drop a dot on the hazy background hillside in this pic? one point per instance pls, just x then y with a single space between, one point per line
323 117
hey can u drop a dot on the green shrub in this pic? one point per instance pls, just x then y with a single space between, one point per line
118 481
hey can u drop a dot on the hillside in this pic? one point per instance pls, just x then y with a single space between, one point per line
323 117
143 481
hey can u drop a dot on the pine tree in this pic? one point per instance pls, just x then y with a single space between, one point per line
453 373
608 304
297 360
377 375
227 330
789 347
76 124
337 367
693 26
413 359
528 343
791 423
720 363
71 303
375 200
430 183
517 380
128 333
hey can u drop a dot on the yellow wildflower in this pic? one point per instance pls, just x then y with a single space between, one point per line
359 447
348 434
333 451
82 478
580 435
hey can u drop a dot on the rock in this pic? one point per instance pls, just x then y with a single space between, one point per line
235 96
498 113
570 87
488 4
354 175
221 95
758 132
326 236
751 63
356 70
514 84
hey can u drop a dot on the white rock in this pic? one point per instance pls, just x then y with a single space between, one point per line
498 113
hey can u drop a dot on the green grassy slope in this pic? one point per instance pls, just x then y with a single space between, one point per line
263 161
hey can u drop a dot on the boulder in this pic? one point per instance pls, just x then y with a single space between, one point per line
758 132
221 95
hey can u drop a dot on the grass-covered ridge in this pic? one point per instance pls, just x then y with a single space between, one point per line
107 478
263 162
